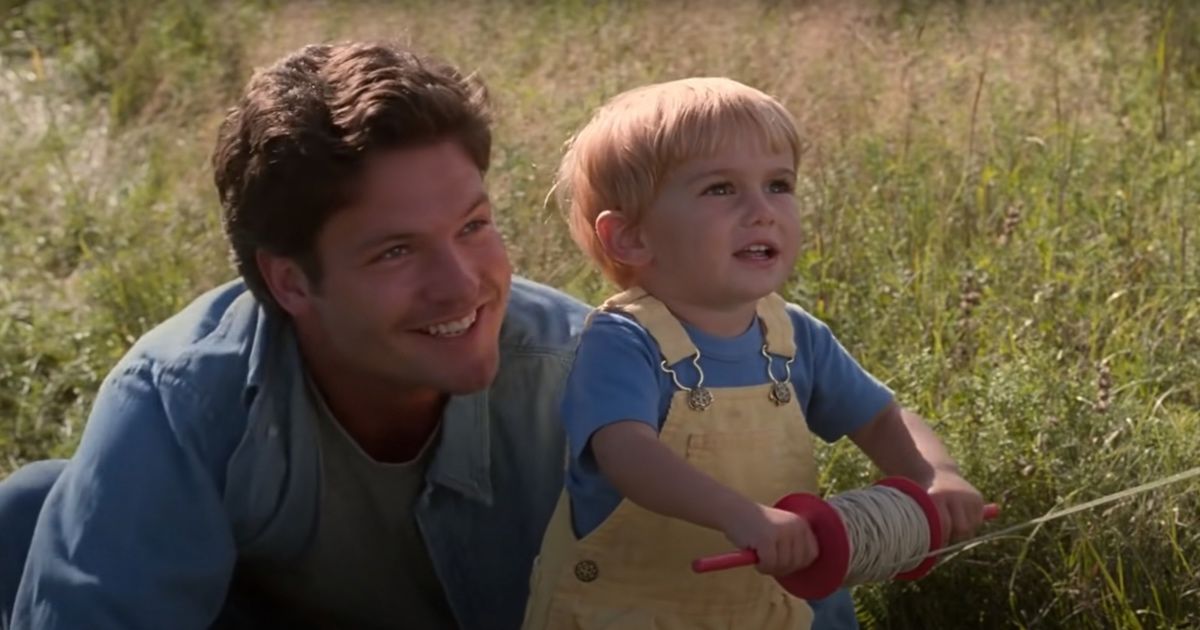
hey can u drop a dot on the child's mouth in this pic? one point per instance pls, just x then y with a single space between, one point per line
758 252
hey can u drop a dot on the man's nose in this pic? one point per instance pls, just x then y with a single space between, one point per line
451 276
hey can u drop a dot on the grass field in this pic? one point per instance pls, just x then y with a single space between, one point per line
1000 202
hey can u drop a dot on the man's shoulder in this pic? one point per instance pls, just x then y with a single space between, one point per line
193 372
207 347
540 317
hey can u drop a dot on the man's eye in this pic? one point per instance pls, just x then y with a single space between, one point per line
724 188
396 251
475 226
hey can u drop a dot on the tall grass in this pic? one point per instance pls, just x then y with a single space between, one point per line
107 221
999 202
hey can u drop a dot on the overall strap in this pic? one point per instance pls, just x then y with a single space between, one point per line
780 336
652 314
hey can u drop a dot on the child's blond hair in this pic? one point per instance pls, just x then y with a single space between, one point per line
620 158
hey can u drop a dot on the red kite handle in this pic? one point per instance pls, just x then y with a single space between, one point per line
731 560
747 557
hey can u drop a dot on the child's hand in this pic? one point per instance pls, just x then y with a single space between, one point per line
783 541
958 503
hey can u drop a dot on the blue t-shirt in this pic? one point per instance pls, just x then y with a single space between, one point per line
616 377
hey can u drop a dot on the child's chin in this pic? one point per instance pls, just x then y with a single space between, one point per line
748 293
761 287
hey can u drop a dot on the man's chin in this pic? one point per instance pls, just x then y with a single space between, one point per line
470 380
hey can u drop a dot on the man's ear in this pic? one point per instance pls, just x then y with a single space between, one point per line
622 241
286 281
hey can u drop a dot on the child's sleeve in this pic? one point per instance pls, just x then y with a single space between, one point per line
614 378
841 395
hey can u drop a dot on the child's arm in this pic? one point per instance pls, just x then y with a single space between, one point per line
900 443
652 476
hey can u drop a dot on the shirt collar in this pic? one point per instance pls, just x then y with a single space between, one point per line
266 327
463 461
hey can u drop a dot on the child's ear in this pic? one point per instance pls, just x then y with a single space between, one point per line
622 241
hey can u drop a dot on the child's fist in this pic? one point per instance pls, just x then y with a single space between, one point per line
782 540
958 503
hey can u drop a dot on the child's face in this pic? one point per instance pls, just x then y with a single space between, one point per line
724 230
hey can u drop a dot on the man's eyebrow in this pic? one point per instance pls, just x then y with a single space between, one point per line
400 237
482 199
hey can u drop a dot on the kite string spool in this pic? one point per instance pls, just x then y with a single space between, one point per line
876 519
832 566
885 528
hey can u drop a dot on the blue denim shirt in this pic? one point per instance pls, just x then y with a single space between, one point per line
190 463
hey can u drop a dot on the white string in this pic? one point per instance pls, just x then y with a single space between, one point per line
886 528
889 534
1055 515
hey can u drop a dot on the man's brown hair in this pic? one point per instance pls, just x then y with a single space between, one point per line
291 152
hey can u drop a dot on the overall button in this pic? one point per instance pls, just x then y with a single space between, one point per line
587 571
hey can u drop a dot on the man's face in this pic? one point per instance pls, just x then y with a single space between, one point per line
415 277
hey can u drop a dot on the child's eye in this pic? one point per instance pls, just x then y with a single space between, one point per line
723 188
781 186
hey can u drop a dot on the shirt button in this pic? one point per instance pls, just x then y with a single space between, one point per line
587 571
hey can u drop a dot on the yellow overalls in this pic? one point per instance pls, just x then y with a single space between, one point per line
633 572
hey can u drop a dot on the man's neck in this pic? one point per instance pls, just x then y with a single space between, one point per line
391 428
389 424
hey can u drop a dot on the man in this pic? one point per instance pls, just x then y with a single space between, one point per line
362 431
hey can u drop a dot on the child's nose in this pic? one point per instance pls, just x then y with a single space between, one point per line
759 210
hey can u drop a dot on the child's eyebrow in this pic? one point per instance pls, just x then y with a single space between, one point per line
723 172
727 172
